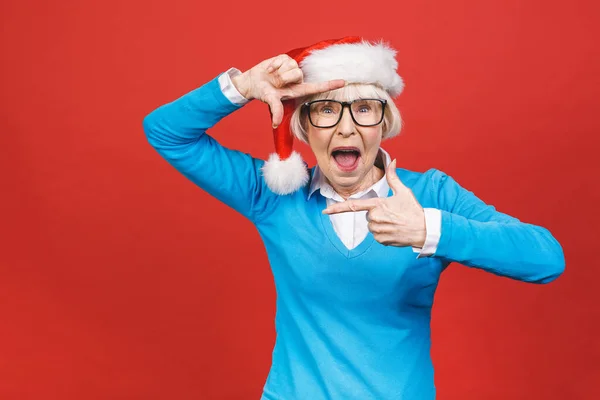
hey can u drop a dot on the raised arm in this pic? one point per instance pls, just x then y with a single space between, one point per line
475 234
177 130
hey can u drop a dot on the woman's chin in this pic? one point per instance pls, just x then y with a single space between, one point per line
344 178
341 177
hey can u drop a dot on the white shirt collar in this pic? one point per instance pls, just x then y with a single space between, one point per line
381 188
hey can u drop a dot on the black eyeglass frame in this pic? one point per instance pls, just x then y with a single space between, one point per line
344 104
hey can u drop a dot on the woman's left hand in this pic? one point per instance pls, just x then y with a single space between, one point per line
398 220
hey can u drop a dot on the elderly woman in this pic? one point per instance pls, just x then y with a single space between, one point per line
356 245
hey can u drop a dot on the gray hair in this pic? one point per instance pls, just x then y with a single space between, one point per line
392 121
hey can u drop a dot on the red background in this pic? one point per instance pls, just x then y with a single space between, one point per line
119 279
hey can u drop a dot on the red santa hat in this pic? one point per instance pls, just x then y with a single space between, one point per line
352 59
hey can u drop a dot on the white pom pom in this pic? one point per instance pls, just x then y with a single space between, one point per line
287 176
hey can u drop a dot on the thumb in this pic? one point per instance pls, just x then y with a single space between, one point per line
392 178
276 108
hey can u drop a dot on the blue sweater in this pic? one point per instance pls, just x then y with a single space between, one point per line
351 324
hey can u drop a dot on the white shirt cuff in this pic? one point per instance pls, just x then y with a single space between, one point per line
433 225
229 89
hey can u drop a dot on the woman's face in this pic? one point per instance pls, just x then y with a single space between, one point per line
346 153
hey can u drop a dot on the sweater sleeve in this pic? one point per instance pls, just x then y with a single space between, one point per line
177 130
475 234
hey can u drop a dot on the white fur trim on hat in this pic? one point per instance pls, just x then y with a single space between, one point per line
285 176
362 62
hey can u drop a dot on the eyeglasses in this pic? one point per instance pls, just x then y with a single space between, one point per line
328 113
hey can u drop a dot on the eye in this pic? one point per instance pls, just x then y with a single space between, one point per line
362 107
326 108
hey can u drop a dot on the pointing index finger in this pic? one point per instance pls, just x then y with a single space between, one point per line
351 206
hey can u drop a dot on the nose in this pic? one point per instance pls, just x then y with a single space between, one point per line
346 125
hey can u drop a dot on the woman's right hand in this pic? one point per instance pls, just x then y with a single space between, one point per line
276 79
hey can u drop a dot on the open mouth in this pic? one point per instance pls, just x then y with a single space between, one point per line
346 158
